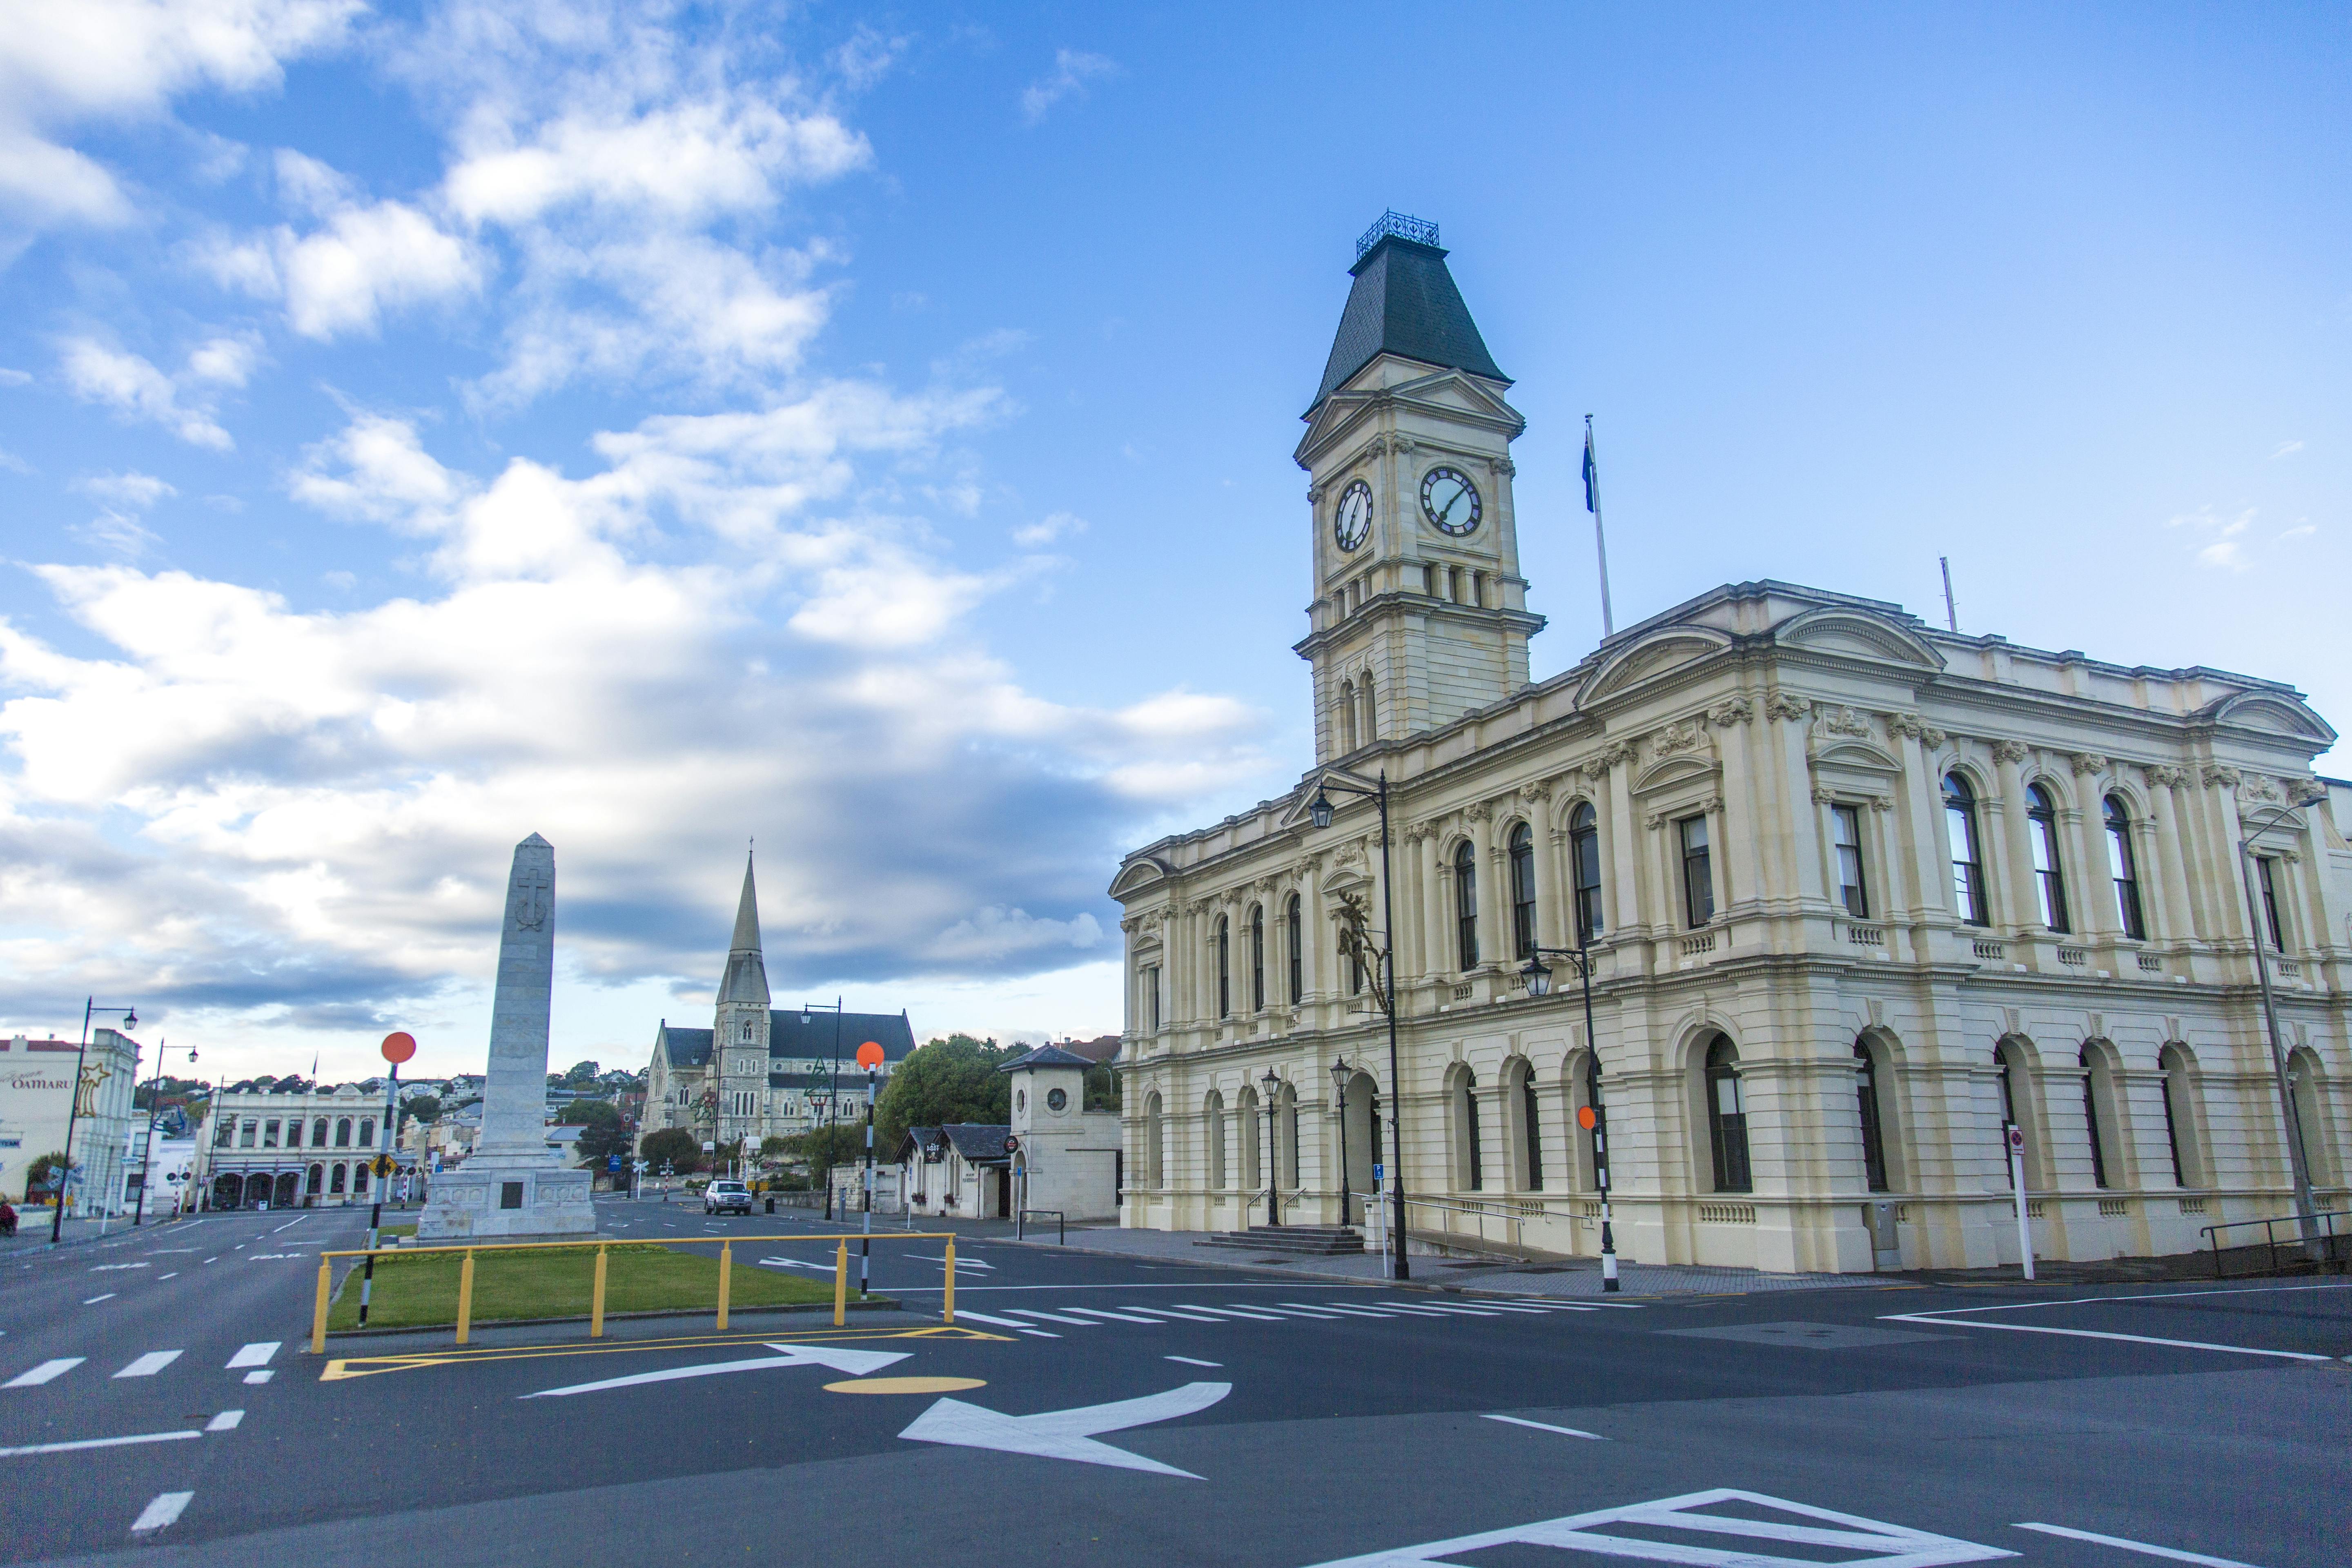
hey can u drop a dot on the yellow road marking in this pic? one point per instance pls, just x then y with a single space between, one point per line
905 1385
345 1368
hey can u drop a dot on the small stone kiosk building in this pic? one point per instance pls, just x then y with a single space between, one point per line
1067 1159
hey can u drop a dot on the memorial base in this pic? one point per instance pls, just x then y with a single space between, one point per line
491 1201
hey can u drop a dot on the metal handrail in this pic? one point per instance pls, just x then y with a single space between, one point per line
2325 1241
1061 1225
597 1295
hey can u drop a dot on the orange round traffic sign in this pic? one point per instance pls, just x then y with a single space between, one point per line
869 1055
1584 1117
399 1046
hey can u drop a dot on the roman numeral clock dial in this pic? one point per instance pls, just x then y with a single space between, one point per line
1450 501
1351 524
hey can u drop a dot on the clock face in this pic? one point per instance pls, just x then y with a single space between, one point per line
1450 500
1352 523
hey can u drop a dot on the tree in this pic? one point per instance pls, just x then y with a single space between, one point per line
822 1149
425 1108
582 1075
1102 1087
676 1146
36 1174
953 1079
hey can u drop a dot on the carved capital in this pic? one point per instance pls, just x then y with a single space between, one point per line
2087 762
1538 790
2304 792
1780 705
1314 494
2010 751
2220 775
1731 711
2161 777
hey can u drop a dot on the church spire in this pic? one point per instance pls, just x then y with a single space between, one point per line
747 971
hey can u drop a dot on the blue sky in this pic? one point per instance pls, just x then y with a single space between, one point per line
867 430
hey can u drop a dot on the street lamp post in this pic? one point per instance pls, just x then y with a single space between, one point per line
1339 1071
1273 1153
2299 1165
1539 979
73 1107
1319 810
147 1161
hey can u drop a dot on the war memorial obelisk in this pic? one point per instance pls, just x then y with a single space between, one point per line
513 1185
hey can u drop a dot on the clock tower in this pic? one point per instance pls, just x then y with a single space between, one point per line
1419 612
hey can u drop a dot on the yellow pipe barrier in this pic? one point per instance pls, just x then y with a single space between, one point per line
465 1273
466 1298
596 1299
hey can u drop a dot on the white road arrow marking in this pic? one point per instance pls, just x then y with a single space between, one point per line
160 1513
1066 1434
841 1358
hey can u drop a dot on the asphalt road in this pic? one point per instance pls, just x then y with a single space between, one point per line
1250 1420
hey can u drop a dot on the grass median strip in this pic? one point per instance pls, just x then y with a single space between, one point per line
420 1291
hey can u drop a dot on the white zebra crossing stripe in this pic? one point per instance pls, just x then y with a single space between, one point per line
150 1364
264 1376
1302 1312
1120 1317
1350 1311
255 1354
1236 1312
1052 1317
1188 1316
227 1421
984 1317
160 1513
44 1373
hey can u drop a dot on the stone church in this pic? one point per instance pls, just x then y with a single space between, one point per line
1855 893
760 1070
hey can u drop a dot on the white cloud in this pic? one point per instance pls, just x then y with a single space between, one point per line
117 532
133 489
2300 531
2225 546
867 56
1073 69
135 388
14 378
101 61
647 663
2287 449
1046 530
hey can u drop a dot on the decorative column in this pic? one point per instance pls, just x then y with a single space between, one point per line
2177 921
2020 902
2095 913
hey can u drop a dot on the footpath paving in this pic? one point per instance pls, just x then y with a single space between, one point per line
1576 1277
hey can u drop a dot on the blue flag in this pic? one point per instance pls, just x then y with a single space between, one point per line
1591 499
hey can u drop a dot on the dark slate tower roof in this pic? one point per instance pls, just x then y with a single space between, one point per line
746 979
1404 303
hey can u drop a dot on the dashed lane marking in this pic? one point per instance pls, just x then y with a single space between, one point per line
94 1300
255 1354
1193 1360
1547 1427
227 1421
150 1364
77 1445
262 1376
44 1373
160 1513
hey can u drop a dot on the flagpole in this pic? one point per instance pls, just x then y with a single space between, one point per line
1599 539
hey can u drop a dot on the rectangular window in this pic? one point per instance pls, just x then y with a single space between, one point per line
223 1134
2266 874
1698 873
1584 843
1847 829
294 1134
1152 997
269 1135
245 1135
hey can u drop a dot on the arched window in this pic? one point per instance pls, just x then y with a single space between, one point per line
318 1179
2305 1088
1727 1119
2049 872
1465 1111
1246 1120
1285 1110
359 1181
2181 1118
1584 854
1213 1112
2094 1071
367 1133
1523 891
1257 958
1370 730
1531 1127
1155 1148
2124 869
1874 1141
335 1182
1466 902
1347 716
1294 934
1967 862
1224 968
343 1132
319 1134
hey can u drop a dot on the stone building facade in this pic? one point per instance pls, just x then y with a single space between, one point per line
1856 892
307 1149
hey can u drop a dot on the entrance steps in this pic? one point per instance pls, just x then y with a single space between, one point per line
1303 1240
